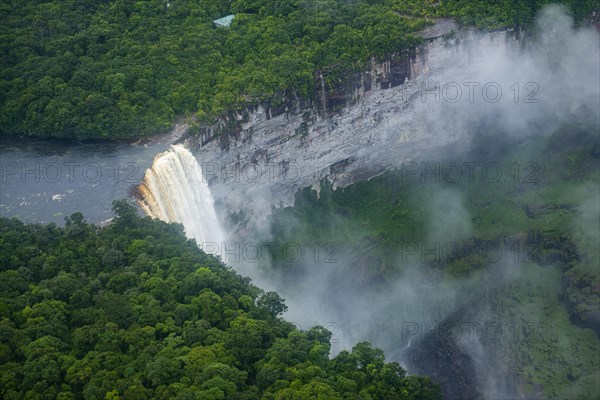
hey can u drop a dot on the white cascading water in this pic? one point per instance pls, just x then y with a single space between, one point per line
174 191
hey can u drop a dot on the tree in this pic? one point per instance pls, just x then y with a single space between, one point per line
125 212
272 303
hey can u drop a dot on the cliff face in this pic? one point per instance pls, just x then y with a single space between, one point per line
353 130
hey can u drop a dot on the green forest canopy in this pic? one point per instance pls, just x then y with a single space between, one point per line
136 311
84 69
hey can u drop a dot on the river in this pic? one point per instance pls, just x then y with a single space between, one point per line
45 181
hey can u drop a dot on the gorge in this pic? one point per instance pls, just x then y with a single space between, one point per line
425 131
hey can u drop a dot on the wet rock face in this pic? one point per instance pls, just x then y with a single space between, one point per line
447 361
464 353
441 358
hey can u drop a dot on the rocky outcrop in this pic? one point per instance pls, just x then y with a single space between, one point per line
443 359
582 295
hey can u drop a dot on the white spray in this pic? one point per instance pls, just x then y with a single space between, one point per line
174 190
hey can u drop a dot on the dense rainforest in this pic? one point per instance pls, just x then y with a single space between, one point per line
115 69
136 311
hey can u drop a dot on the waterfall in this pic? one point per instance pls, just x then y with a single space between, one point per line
174 191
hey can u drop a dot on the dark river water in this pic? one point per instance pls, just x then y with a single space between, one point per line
45 181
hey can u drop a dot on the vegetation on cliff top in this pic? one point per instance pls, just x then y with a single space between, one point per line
137 311
114 69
